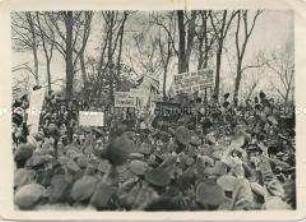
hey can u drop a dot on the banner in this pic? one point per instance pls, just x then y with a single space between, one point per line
89 118
191 82
124 99
35 107
141 96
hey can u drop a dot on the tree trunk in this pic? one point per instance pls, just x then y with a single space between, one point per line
35 57
237 81
221 36
34 46
251 90
49 75
190 37
242 19
203 41
206 46
83 69
182 63
120 47
109 56
287 95
69 54
218 68
48 53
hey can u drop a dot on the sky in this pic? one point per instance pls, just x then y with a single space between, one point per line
272 31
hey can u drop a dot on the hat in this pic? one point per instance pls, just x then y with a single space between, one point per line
98 132
118 151
275 188
183 135
138 156
227 182
28 196
195 140
262 95
24 152
253 148
102 195
83 188
82 161
145 148
22 177
210 195
226 95
159 177
104 166
58 189
138 167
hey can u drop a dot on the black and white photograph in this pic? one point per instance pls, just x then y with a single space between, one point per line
156 110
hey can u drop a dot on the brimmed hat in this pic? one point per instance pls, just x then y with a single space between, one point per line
138 167
183 135
209 195
28 196
83 188
24 152
227 182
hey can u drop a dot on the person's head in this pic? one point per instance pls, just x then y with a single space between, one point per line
36 87
237 153
75 137
254 154
82 138
25 103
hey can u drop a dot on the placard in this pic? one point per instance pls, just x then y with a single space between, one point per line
197 80
35 107
89 118
124 99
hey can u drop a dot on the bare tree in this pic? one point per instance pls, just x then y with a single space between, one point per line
24 34
221 24
186 32
21 83
81 52
165 54
68 32
46 45
104 71
166 43
206 39
281 63
69 21
241 44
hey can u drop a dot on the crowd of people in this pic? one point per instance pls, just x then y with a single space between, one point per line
211 155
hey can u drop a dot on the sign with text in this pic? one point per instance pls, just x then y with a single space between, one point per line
191 82
140 95
89 118
35 107
167 109
171 109
124 99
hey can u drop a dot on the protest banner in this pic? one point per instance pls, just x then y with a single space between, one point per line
170 109
141 96
89 118
190 82
35 107
124 99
